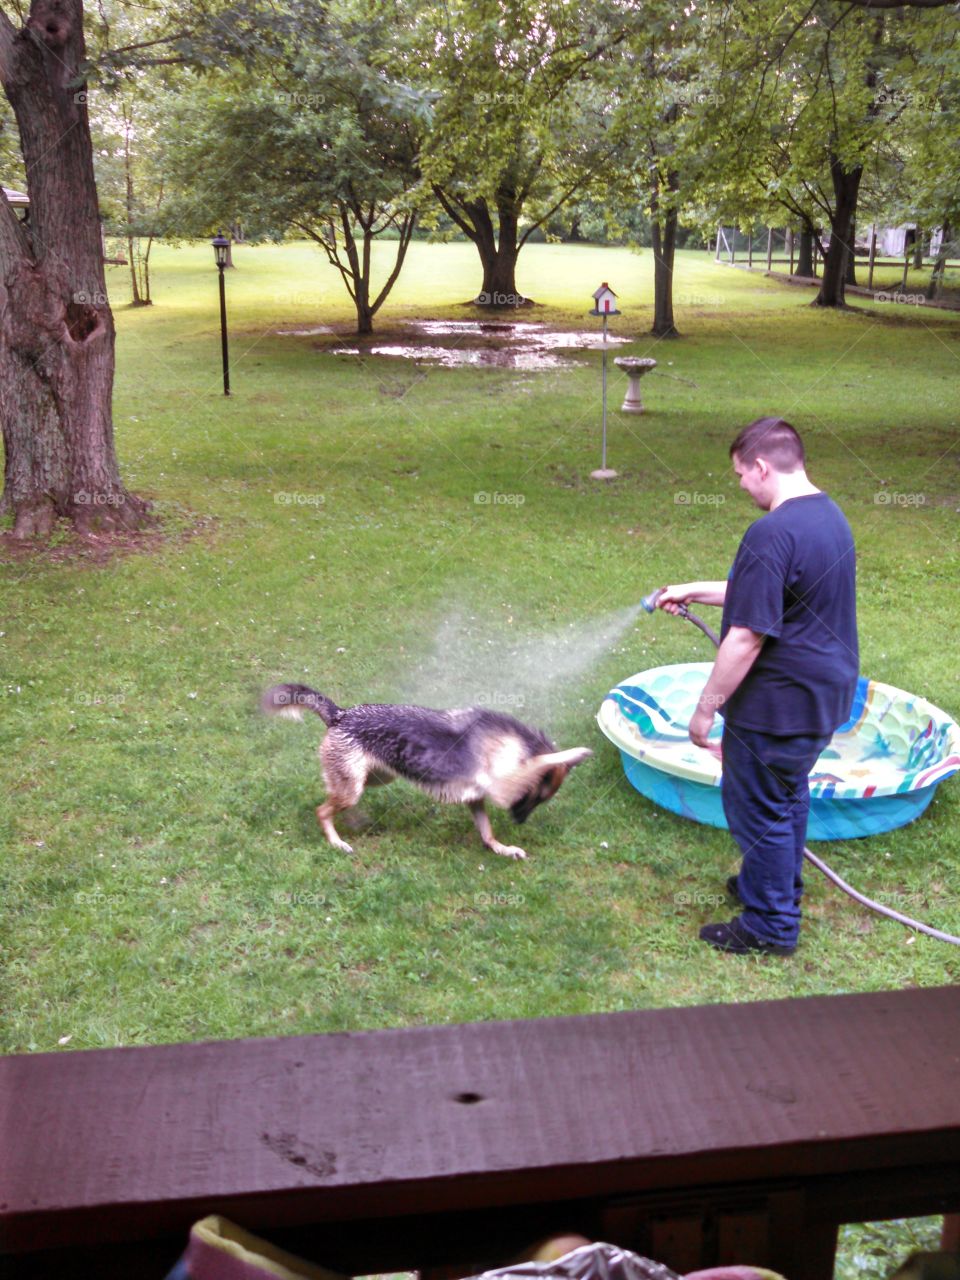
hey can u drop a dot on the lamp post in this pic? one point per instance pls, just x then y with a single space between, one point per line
221 246
604 304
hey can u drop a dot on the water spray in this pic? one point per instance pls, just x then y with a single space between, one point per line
649 604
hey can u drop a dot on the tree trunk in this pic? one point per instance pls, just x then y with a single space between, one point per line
805 251
498 249
846 186
364 314
56 326
500 260
918 251
663 227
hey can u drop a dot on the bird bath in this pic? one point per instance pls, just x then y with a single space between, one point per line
634 367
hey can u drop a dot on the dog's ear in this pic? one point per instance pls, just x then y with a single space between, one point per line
571 757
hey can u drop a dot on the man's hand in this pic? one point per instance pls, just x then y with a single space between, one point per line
701 722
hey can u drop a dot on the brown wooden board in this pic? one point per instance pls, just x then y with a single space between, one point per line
133 1144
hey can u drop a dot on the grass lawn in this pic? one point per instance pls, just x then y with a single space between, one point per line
165 878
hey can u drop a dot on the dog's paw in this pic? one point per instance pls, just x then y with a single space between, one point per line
509 850
342 846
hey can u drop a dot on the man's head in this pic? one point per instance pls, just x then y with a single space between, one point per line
762 453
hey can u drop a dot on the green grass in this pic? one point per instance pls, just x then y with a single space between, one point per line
166 879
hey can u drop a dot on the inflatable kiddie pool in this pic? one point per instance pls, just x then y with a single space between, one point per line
878 772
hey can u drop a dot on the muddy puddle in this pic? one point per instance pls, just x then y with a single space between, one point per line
523 345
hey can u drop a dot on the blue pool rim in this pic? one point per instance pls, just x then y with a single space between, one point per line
829 819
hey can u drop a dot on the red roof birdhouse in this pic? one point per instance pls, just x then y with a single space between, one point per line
605 302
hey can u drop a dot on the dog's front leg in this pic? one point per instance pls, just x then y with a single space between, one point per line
482 822
325 816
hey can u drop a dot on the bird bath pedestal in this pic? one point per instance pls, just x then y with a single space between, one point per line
634 367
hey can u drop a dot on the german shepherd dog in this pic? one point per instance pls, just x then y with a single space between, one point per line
465 756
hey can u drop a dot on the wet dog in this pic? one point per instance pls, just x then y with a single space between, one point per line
465 756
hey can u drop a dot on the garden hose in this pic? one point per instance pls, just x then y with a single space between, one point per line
649 603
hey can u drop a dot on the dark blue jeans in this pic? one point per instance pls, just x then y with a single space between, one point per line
766 800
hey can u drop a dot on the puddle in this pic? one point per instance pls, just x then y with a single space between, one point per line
494 344
457 357
303 333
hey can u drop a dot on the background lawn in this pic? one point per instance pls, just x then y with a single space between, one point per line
166 879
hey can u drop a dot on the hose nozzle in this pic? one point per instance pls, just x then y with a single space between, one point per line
649 602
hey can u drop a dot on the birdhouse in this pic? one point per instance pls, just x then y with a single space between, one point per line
605 302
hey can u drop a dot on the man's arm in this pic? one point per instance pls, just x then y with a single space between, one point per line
693 593
735 657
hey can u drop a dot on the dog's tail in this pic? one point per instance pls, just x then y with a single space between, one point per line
289 700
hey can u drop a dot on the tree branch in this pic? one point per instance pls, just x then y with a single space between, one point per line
451 212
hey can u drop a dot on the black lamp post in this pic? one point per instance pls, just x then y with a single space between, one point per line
221 247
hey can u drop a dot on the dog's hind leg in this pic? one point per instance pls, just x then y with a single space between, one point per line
481 821
344 776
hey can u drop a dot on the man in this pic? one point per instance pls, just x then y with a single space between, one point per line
783 679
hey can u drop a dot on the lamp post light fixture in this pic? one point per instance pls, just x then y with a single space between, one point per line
604 304
221 247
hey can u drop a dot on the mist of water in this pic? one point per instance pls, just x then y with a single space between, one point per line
471 663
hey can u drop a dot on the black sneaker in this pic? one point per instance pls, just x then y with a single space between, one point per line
736 938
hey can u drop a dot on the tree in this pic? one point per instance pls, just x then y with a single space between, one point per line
56 327
329 149
519 128
668 97
130 171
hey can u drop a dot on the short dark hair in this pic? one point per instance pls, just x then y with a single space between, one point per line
773 439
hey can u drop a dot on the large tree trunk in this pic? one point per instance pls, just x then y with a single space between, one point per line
846 186
56 326
498 247
663 227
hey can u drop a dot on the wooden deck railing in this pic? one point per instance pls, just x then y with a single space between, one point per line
712 1134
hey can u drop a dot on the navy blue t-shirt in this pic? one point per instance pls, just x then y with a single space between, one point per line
794 581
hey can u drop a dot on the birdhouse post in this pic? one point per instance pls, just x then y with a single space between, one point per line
604 304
